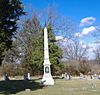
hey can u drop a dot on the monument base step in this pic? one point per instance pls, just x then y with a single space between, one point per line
47 80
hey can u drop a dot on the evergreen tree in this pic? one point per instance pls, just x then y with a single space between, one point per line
34 62
10 11
30 46
55 53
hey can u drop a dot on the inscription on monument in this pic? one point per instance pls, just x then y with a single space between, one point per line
47 69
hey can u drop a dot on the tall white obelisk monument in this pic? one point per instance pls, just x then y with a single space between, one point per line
47 77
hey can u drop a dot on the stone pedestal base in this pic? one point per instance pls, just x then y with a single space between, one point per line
47 80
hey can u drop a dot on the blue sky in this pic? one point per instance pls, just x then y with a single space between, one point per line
76 9
86 13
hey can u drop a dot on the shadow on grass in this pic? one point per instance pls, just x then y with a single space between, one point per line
15 86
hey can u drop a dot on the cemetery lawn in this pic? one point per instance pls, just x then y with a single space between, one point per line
61 87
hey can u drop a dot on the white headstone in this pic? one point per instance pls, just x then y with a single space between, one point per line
27 76
98 76
92 77
27 90
82 76
6 77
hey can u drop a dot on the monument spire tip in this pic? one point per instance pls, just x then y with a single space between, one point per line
45 24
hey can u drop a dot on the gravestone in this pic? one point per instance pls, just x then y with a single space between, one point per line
92 77
27 76
98 76
68 76
62 76
6 77
82 76
65 75
95 76
27 90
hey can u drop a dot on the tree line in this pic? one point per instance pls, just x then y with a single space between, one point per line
21 49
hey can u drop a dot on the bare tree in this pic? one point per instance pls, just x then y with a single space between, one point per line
75 57
75 51
97 33
61 25
22 45
97 54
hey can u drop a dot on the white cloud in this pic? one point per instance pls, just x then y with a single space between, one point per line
85 31
61 38
77 34
88 30
87 21
93 46
58 37
83 44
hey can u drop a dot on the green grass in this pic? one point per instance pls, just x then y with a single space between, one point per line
61 87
